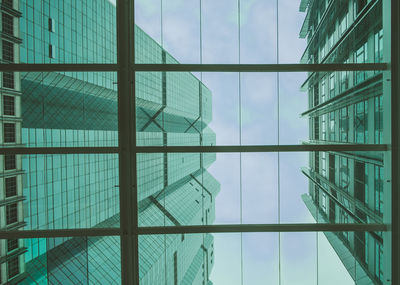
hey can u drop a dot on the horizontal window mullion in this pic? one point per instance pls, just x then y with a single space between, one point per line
85 232
239 228
93 67
263 148
259 67
57 150
33 67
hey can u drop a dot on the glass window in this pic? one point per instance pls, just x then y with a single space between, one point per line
378 190
8 80
11 186
11 214
7 24
361 122
378 117
9 132
8 51
378 40
344 181
378 260
332 85
12 244
9 162
344 124
332 126
13 267
361 57
9 105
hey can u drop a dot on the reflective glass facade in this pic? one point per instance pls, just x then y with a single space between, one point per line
349 107
80 109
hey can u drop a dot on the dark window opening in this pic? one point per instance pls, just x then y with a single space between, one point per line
7 24
13 267
11 214
9 133
8 51
9 162
12 244
8 80
11 186
9 105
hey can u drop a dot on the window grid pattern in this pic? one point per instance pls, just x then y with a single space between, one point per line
330 40
9 105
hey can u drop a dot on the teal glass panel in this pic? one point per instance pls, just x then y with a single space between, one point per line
67 32
68 260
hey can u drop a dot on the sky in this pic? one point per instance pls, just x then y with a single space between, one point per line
303 256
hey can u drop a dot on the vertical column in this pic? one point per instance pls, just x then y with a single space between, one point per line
127 142
391 46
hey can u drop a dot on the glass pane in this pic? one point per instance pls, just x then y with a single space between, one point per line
66 32
336 32
176 189
69 260
333 107
59 191
176 108
342 187
60 109
298 258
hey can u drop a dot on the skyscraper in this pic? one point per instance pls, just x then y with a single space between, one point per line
79 109
349 107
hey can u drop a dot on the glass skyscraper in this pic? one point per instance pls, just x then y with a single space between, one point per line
349 107
79 109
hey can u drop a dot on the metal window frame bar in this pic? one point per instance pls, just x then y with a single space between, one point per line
395 131
127 140
106 67
196 229
197 149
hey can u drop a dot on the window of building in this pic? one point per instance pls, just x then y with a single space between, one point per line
52 51
13 267
361 122
378 119
12 244
8 3
8 80
323 164
378 41
9 132
52 25
323 91
332 85
316 95
344 124
8 51
358 6
343 24
7 24
175 268
316 128
323 202
361 57
9 162
361 182
344 173
323 122
11 214
9 105
344 79
332 126
378 261
11 186
378 188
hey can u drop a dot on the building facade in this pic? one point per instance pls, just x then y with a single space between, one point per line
80 109
349 107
